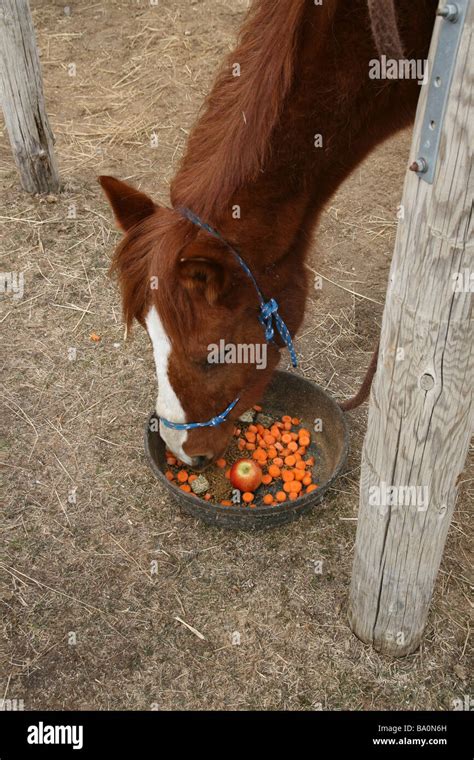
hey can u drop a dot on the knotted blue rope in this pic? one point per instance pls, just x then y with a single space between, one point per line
268 309
267 317
210 423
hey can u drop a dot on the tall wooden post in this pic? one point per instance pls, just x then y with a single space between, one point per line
421 410
22 99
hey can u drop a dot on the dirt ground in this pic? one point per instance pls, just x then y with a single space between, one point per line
88 623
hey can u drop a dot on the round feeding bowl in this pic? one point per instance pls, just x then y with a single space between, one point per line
287 393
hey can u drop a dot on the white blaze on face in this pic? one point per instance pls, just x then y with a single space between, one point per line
167 404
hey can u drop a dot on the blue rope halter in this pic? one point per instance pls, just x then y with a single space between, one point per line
268 315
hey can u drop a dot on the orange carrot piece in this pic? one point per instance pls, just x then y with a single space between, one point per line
182 476
280 496
186 488
247 497
268 498
287 475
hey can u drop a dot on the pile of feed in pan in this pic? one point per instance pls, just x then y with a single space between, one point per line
281 447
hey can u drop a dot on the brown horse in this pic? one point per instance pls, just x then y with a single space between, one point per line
293 110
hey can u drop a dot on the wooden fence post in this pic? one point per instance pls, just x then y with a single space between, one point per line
420 413
22 100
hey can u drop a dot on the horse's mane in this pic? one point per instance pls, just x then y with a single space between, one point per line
231 141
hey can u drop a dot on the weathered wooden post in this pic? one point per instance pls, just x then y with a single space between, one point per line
22 99
421 410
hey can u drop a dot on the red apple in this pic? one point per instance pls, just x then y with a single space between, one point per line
246 475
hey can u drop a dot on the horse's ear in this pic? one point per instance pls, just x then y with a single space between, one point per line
128 204
202 269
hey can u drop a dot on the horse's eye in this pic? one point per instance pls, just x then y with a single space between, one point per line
203 363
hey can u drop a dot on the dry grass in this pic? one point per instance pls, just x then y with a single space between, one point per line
84 520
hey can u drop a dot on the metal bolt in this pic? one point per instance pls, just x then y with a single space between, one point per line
420 165
450 12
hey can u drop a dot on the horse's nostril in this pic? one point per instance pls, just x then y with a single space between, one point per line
201 461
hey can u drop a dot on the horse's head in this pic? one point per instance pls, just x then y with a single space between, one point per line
201 313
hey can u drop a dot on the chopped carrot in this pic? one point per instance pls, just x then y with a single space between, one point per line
274 470
286 418
300 465
303 433
191 478
310 461
290 460
295 486
186 488
286 438
278 446
226 503
241 444
247 497
278 461
268 498
292 496
295 421
253 429
304 441
286 487
306 480
250 436
293 446
171 460
280 496
250 446
275 432
287 475
312 487
182 476
272 452
169 475
299 474
287 425
269 439
266 479
207 496
221 463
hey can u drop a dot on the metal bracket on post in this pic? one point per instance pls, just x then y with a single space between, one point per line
453 15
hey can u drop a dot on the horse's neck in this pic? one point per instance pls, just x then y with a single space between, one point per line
333 118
